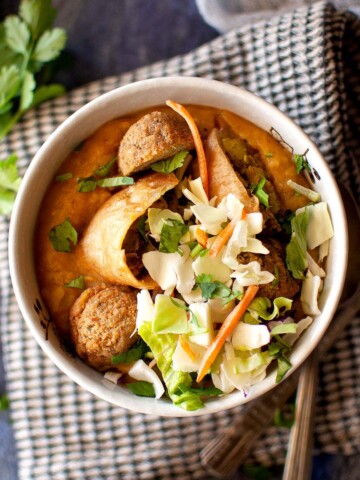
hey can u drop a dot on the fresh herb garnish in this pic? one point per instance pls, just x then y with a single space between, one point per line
296 260
61 235
88 184
4 402
77 282
278 349
115 182
261 194
9 184
142 389
104 170
301 162
211 288
168 166
141 225
193 318
63 177
27 41
135 353
170 235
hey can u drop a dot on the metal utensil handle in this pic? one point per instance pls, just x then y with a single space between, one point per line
224 453
299 457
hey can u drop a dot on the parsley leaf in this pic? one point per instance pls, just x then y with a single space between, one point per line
61 235
168 166
142 389
135 353
170 235
77 282
141 225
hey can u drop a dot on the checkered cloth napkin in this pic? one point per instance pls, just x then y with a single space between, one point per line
307 63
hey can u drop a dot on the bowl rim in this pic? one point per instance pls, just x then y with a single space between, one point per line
146 405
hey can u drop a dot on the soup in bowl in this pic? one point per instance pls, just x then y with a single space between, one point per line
181 248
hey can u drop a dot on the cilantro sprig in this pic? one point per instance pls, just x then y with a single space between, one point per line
27 43
170 235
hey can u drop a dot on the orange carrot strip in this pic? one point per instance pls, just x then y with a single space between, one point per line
201 237
222 239
181 110
225 330
186 347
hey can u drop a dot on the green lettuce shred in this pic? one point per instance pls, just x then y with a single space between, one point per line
163 347
260 305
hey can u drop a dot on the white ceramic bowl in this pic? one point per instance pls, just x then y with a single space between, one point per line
79 126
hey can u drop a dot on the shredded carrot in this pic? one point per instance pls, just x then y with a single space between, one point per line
225 330
224 236
181 110
186 347
222 239
201 237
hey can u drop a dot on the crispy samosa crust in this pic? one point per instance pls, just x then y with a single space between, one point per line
101 248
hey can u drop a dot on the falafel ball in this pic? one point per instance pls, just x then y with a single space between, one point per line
156 136
102 323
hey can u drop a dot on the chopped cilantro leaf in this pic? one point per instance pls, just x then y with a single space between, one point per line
77 282
61 235
87 184
168 166
63 177
301 162
135 353
142 389
214 289
104 170
170 235
141 225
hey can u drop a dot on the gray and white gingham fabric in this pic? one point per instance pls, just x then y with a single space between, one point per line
307 63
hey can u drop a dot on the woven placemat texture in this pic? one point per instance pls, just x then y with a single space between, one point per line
305 62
